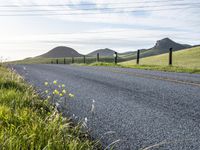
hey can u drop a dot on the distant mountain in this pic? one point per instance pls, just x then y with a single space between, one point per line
102 52
163 46
167 43
60 52
196 46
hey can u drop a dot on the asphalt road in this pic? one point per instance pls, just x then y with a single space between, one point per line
135 108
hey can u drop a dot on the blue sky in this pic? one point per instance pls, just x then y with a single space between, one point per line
87 25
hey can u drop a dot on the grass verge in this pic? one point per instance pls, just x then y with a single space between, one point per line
27 122
103 64
187 58
148 67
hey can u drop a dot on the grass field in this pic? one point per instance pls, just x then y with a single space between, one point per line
68 60
188 58
29 123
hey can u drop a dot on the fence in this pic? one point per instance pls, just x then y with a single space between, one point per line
87 59
115 59
169 60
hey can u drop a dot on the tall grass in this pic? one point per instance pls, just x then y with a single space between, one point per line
27 122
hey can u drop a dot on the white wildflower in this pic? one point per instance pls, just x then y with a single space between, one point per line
85 122
57 104
93 106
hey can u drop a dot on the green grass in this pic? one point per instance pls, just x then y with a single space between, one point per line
188 59
68 60
27 122
147 67
103 64
163 68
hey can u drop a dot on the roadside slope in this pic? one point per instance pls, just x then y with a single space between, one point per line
188 58
28 122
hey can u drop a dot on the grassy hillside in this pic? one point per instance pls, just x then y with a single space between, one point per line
61 51
188 58
102 52
68 60
32 61
27 122
106 55
162 46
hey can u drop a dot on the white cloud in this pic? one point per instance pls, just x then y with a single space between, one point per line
121 31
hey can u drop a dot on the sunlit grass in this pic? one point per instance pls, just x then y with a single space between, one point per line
27 122
183 61
149 67
188 59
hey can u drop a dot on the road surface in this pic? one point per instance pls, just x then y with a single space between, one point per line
136 109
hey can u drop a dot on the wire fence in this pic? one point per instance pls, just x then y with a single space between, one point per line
116 58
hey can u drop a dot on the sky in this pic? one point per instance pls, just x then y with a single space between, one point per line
32 27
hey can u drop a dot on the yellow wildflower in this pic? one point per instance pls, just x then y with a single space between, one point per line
56 92
64 91
46 83
61 94
55 82
71 95
46 91
63 86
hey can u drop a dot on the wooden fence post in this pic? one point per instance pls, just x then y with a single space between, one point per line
84 59
56 61
170 56
72 60
64 61
97 57
116 57
138 57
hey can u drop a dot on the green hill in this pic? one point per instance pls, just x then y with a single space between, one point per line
188 58
161 47
102 52
61 52
106 55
